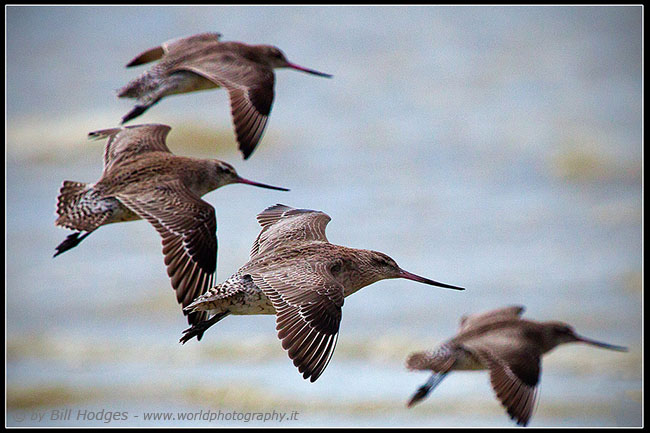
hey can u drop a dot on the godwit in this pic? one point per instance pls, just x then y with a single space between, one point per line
142 179
296 274
510 347
202 62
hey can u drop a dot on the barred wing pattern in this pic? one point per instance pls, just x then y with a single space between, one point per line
306 297
125 142
282 225
249 85
308 305
187 225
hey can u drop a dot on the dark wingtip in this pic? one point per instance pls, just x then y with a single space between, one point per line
246 152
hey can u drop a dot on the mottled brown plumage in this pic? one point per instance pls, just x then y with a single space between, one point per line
510 347
142 179
202 62
295 273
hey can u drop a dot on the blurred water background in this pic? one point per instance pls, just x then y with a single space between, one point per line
497 148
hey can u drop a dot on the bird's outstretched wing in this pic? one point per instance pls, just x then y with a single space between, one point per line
249 85
187 225
174 46
514 365
475 320
127 141
308 304
282 225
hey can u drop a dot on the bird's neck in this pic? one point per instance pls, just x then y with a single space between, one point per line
201 180
547 340
358 272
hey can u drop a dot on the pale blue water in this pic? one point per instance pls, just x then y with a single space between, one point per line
494 148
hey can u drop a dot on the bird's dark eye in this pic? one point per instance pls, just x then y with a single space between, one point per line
335 268
381 262
225 169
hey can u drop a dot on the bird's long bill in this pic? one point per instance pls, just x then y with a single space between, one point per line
419 279
309 71
261 185
600 344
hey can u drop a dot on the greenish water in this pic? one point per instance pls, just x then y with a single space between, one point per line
494 148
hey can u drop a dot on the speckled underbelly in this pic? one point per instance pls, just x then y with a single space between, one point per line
244 303
252 303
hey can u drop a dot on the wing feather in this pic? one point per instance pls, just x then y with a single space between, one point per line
187 226
250 88
282 223
515 366
308 305
125 142
480 319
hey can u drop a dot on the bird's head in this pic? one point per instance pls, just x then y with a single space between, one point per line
559 333
385 267
225 174
275 58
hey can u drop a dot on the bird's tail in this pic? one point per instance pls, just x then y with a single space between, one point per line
79 207
73 213
69 205
425 389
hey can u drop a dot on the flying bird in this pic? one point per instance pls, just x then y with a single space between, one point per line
142 179
295 273
506 345
202 62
